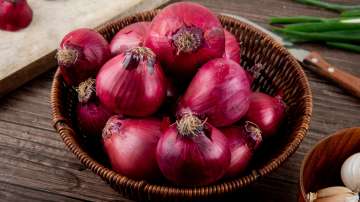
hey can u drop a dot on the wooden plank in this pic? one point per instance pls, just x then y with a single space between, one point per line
36 162
30 52
10 192
30 151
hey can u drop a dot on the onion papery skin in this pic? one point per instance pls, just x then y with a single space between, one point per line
232 47
199 159
129 37
267 112
137 89
81 54
243 140
207 41
15 14
131 146
219 91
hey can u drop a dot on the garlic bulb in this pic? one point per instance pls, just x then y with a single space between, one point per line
350 172
333 194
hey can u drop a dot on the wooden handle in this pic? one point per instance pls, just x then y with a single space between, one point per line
349 82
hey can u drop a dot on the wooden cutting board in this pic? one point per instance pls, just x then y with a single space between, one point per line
31 51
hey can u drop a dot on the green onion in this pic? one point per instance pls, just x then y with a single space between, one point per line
345 46
341 36
343 32
328 25
351 13
296 19
329 6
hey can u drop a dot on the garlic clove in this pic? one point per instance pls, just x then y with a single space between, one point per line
350 172
345 197
332 191
333 194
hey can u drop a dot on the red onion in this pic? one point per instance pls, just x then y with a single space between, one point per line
193 152
14 14
81 54
185 35
220 91
132 83
91 115
165 123
129 37
267 112
172 95
131 146
243 140
232 47
171 91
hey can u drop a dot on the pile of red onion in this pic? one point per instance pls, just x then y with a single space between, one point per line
169 99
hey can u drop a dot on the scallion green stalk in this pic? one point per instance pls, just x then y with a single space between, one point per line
329 6
328 25
295 19
345 46
351 13
342 36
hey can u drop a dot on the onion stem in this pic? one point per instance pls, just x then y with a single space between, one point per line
329 6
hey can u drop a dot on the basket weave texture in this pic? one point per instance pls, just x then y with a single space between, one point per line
281 72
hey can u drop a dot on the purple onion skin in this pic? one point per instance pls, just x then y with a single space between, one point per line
131 146
91 118
176 16
92 52
219 91
232 47
129 37
132 91
198 160
267 112
242 144
15 15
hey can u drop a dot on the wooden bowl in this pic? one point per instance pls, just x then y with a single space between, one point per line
281 71
321 166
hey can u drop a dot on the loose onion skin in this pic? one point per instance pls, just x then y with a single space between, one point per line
185 35
91 115
81 54
243 140
14 14
132 83
131 146
267 112
193 152
220 91
129 37
232 47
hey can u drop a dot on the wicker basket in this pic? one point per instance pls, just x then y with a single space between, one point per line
281 72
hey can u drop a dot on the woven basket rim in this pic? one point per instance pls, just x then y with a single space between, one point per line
67 133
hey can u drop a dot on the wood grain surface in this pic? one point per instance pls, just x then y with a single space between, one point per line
35 165
30 52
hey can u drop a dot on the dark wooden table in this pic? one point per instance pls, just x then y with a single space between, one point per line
35 164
